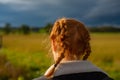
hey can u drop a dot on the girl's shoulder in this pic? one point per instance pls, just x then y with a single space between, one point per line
83 76
79 76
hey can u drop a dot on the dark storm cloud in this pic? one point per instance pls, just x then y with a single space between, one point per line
105 12
39 12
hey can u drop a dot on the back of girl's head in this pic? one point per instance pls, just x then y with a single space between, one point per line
72 40
72 37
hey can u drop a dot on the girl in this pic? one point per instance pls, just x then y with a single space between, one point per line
71 48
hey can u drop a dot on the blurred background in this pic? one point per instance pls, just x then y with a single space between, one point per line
25 25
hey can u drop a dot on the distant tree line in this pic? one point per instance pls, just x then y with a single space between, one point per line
26 29
104 29
7 29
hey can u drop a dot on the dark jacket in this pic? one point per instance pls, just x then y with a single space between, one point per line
78 70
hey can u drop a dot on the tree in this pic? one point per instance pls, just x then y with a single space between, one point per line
25 29
7 28
48 27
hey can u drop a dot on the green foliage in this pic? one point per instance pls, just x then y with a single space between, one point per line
7 28
104 29
48 27
10 71
42 30
25 29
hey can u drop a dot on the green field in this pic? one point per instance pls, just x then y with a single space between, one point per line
30 55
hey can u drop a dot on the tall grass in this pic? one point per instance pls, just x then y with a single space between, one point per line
33 52
106 52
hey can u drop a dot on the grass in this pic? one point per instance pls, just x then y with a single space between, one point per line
106 52
33 51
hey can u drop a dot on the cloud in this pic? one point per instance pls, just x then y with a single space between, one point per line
16 4
105 7
75 9
11 1
104 12
87 11
27 4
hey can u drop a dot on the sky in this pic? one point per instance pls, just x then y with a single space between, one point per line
40 12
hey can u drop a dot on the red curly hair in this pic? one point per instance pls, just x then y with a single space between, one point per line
73 39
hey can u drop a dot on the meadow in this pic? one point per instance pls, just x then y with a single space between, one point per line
28 56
